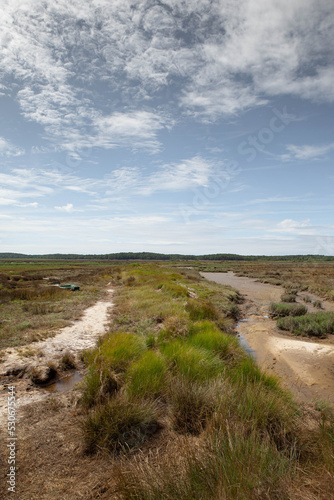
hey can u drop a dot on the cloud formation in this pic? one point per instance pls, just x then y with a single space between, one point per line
215 58
307 151
8 149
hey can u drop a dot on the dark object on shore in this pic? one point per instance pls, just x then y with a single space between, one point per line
74 288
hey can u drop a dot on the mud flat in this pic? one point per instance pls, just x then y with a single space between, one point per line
305 366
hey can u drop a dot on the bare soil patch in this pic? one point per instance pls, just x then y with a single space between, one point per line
306 366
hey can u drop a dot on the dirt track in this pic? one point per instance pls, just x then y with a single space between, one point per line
305 366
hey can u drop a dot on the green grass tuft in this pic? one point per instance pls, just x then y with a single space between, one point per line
119 350
192 362
205 334
146 376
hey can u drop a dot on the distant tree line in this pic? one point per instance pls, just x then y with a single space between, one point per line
166 257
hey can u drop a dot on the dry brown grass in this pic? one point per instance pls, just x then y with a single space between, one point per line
31 309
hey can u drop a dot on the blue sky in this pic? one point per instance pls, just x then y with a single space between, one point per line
180 127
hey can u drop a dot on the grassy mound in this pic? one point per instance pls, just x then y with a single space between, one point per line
318 324
279 310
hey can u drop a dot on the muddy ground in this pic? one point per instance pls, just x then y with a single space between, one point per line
305 365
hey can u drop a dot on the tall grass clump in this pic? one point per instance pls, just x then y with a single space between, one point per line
174 289
248 372
318 324
201 309
206 335
120 424
175 326
194 363
107 364
146 376
192 403
119 349
99 385
279 310
231 465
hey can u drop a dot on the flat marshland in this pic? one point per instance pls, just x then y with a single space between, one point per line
33 307
171 406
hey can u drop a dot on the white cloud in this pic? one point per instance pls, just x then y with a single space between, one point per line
66 208
9 149
307 152
189 173
137 129
302 227
214 58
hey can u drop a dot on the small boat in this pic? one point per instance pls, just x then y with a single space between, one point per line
74 288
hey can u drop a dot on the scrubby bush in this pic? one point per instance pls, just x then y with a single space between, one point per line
288 297
313 324
279 310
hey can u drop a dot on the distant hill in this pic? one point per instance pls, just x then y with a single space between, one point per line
167 257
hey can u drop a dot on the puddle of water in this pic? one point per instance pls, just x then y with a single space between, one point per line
245 346
65 383
265 316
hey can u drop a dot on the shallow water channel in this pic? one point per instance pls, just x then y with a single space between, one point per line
243 342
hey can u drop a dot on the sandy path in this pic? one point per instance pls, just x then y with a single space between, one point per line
305 366
82 334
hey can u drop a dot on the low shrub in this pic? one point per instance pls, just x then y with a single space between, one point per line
288 297
279 310
318 324
317 304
